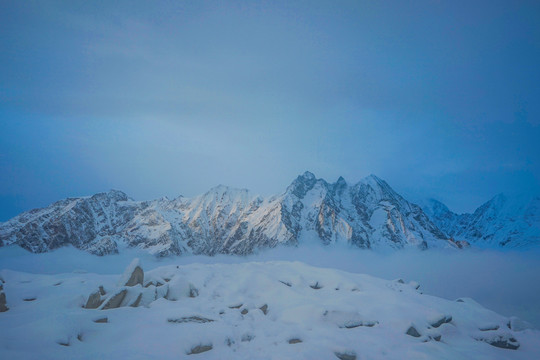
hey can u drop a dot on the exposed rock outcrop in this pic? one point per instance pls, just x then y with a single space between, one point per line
131 292
411 331
115 300
132 280
3 303
443 319
200 349
503 341
94 300
133 274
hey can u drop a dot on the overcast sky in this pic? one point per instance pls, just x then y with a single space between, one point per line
439 98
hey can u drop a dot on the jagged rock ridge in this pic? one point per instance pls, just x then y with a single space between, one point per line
369 214
503 221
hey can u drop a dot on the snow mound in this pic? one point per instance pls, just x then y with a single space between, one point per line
270 310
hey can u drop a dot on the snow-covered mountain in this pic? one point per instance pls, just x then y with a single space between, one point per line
503 221
368 214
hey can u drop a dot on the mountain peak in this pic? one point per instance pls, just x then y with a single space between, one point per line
434 208
218 188
341 180
340 185
302 184
374 178
116 195
224 189
437 204
376 183
308 175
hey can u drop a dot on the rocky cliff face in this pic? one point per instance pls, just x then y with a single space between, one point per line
368 214
503 221
86 223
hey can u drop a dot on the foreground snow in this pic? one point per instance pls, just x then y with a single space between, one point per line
257 310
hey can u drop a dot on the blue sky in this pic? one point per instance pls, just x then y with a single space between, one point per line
167 98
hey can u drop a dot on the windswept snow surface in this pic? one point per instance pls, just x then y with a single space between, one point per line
247 310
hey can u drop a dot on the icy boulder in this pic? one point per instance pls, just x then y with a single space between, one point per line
128 293
438 320
131 292
3 306
114 301
133 274
94 300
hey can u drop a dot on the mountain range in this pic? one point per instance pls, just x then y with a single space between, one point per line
224 220
503 221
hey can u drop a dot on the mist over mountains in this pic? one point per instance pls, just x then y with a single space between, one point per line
224 220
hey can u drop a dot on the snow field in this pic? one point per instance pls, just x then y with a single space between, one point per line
256 310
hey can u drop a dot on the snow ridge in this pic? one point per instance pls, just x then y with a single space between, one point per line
504 221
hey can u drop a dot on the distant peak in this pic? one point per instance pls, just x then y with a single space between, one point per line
339 186
434 202
112 194
179 199
433 206
307 175
340 183
224 188
377 187
374 177
374 180
222 191
302 184
219 187
495 202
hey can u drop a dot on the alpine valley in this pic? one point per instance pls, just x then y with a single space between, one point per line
368 214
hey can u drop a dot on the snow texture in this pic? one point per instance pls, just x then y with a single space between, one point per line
320 314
